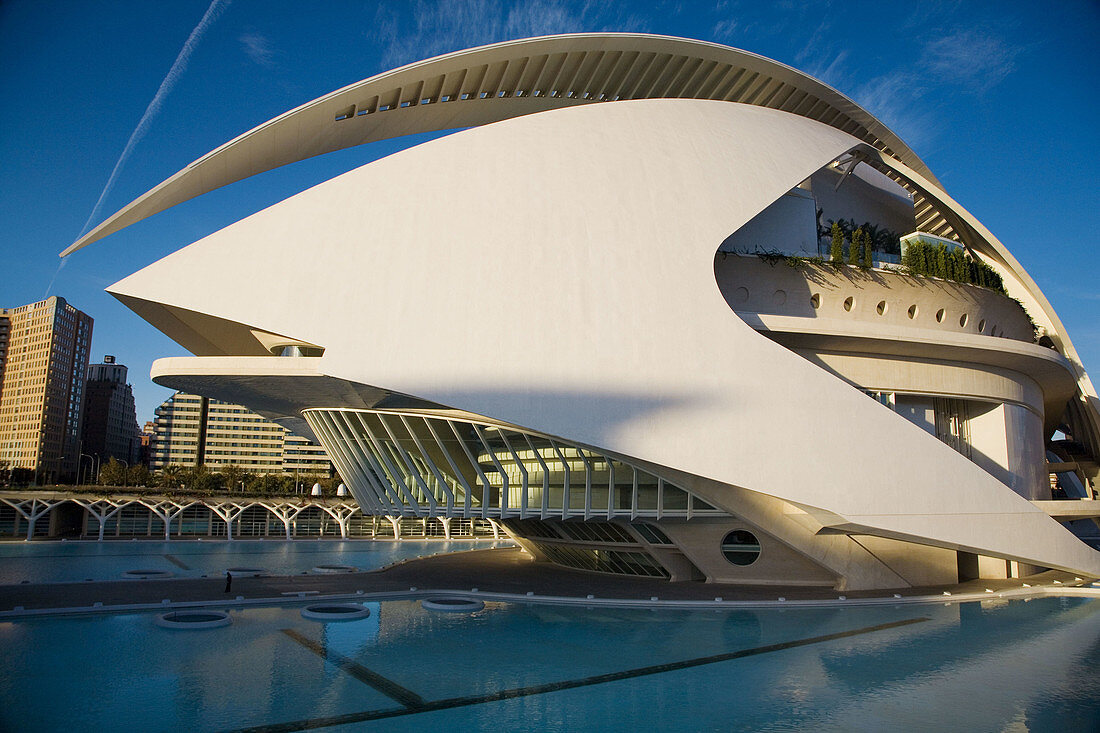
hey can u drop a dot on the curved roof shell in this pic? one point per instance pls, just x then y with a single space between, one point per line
574 295
504 80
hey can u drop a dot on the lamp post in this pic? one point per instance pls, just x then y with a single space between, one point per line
82 471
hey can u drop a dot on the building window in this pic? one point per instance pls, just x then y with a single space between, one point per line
741 547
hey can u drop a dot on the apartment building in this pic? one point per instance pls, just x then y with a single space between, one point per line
190 430
44 350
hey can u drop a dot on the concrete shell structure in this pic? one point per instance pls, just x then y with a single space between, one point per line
555 321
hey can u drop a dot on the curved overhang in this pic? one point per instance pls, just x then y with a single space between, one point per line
505 80
634 395
1019 284
1047 367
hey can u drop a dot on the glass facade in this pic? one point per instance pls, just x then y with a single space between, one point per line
620 562
414 464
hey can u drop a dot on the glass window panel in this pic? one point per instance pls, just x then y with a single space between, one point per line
675 498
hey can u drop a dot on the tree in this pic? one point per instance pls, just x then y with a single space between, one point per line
329 485
836 249
171 477
853 248
308 479
868 249
138 475
270 484
199 480
233 477
113 473
941 261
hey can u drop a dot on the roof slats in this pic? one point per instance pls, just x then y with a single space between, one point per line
574 69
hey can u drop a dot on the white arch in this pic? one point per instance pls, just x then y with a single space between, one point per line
505 80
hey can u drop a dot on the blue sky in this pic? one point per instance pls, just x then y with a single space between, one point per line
1001 100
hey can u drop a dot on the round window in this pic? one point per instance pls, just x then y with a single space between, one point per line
741 547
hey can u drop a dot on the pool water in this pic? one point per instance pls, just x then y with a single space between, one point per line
51 562
990 666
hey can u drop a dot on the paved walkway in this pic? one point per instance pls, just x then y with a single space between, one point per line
508 571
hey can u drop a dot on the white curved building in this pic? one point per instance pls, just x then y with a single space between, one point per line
556 319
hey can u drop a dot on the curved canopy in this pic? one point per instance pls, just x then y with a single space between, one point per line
505 80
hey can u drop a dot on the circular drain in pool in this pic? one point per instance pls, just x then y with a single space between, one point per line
245 572
452 604
335 612
149 573
335 569
194 619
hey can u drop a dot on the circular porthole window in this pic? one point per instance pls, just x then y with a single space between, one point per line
815 300
848 303
912 311
881 308
741 547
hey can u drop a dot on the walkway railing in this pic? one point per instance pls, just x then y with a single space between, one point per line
60 514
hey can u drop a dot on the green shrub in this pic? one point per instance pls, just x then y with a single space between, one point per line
853 248
836 250
937 260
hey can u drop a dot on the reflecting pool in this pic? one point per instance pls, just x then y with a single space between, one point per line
50 562
990 666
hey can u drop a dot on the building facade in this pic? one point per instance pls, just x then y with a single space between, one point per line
190 430
618 335
44 349
110 427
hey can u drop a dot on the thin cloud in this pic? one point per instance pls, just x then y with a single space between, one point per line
441 26
174 73
724 30
258 48
970 58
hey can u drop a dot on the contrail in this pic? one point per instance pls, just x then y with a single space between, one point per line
174 73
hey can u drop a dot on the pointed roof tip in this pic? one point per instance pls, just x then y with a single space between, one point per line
331 126
93 236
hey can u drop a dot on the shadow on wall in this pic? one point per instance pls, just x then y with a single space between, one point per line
562 407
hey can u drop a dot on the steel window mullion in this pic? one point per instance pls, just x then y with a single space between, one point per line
524 478
327 424
381 456
431 464
587 484
505 483
341 423
565 486
327 438
477 468
660 497
545 477
413 469
634 494
380 478
610 488
467 489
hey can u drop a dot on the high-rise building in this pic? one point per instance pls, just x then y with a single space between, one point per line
43 364
110 418
146 437
191 430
